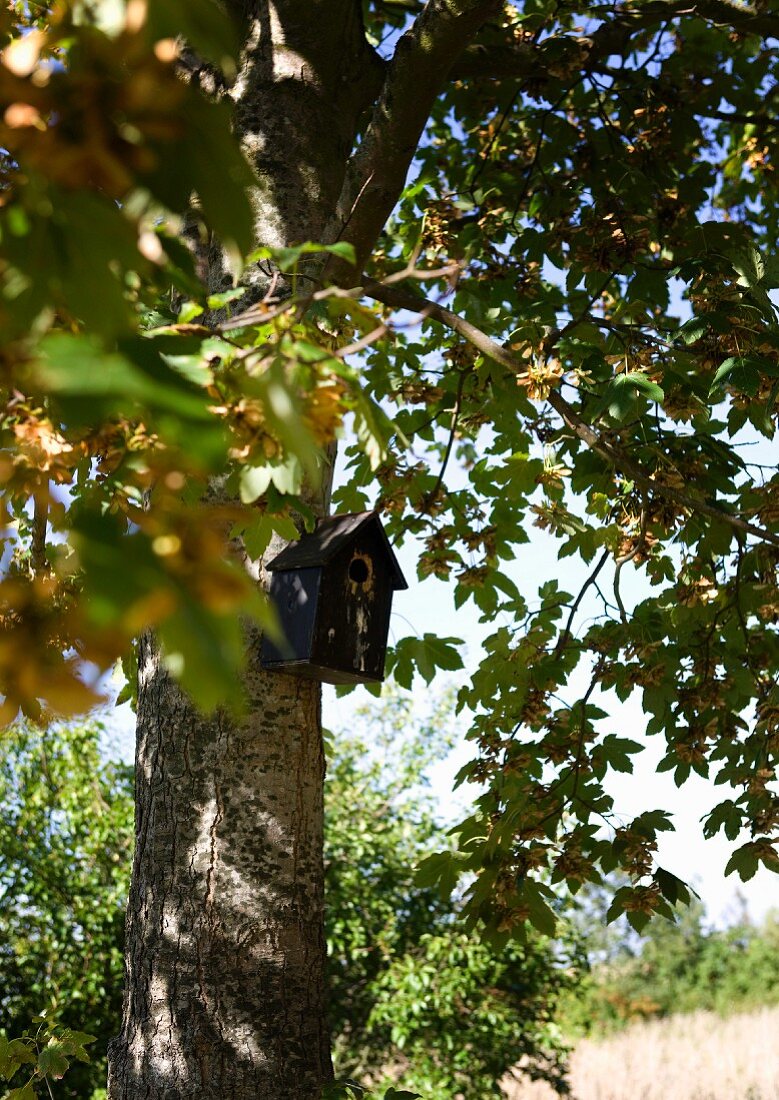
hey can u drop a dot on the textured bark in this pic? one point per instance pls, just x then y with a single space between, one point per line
225 948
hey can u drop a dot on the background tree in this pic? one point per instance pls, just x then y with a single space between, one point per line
581 176
672 968
66 824
412 995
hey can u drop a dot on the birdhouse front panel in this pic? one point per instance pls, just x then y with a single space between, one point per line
333 594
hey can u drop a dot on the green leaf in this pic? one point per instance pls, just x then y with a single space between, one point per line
725 816
693 329
426 655
541 916
253 481
743 372
618 750
439 870
205 652
256 537
27 1092
288 476
617 906
219 301
620 393
190 165
52 1060
373 428
8 1063
189 311
673 888
74 1043
745 860
638 920
73 255
14 1053
344 250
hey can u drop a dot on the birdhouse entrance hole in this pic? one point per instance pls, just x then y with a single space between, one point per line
359 570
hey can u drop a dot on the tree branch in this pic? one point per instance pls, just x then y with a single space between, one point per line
520 60
614 456
377 171
562 641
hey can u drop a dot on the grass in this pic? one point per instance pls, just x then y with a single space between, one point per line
697 1057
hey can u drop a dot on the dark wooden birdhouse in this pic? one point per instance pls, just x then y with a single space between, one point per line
333 593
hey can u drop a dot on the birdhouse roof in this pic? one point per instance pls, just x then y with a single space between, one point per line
330 536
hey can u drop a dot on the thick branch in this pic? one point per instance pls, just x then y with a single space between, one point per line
419 69
615 456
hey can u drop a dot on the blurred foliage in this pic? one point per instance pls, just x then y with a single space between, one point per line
672 968
120 415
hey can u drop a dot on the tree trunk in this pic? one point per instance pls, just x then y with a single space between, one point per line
225 945
225 949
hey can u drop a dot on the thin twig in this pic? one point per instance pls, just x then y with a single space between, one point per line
580 747
450 443
365 342
566 634
583 315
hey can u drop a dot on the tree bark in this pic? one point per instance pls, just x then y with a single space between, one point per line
224 993
225 949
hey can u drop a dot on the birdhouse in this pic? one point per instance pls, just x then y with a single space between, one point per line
333 594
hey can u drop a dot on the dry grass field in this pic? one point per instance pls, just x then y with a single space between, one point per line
695 1057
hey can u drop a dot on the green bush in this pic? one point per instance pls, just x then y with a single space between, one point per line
66 827
445 1013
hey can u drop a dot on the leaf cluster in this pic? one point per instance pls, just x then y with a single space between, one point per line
601 219
42 1054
